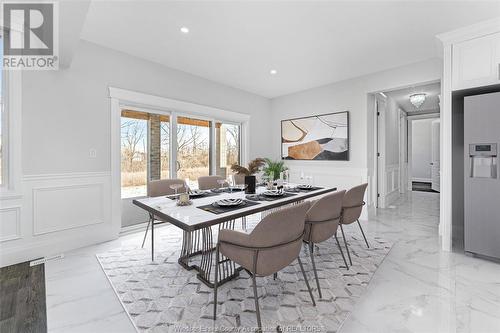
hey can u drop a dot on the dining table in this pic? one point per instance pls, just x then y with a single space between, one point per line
203 218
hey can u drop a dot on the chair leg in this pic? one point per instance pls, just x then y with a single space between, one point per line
307 281
256 297
311 247
146 233
341 252
216 279
345 242
363 233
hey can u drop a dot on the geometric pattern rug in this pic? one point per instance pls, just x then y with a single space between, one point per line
161 296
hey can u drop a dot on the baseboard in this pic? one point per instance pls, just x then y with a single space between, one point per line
38 249
133 228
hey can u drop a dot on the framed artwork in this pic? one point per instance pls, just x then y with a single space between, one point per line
322 137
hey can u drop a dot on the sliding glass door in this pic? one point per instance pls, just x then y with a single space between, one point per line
227 147
193 149
150 151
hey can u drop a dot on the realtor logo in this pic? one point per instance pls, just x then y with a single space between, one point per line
30 39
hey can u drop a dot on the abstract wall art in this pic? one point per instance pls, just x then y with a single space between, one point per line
321 137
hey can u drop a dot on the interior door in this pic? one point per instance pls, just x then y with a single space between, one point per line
435 153
381 104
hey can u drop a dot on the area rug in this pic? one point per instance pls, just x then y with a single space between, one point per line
161 296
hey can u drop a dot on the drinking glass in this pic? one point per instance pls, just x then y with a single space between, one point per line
175 187
221 182
230 182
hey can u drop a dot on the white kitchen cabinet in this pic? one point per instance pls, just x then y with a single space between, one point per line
476 62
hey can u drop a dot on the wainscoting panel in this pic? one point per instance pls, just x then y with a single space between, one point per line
57 213
324 173
392 183
10 223
59 208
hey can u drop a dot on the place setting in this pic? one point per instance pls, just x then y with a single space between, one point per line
302 188
227 205
269 195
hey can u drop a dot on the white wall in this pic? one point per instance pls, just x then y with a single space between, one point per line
348 95
73 104
391 132
65 114
421 149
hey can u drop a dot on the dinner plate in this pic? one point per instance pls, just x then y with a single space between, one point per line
196 193
228 202
274 193
305 186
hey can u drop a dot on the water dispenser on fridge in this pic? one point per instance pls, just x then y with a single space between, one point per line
483 160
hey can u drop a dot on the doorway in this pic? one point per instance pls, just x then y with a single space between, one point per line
424 153
406 148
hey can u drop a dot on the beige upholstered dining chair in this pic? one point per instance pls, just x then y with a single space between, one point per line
272 245
352 207
158 188
322 221
161 187
209 182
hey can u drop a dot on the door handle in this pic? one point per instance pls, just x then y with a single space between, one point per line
178 165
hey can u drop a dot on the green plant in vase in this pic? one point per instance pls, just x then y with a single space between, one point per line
273 169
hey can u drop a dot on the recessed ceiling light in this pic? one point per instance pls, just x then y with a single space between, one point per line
273 72
185 30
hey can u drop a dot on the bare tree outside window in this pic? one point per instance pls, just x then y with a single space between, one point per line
133 157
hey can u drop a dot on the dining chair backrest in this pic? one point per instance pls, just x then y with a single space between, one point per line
161 187
353 203
209 182
272 245
323 217
279 235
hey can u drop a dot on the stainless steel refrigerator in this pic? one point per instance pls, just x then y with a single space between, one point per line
481 178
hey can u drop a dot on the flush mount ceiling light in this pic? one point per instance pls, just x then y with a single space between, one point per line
273 72
185 30
417 99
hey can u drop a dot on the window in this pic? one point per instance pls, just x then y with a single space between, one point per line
3 121
227 147
134 153
165 147
193 149
146 146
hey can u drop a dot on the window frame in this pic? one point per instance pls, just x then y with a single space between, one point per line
122 97
11 130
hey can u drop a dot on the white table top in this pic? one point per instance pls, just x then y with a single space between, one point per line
191 218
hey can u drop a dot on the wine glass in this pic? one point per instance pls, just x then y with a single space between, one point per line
230 182
221 183
176 186
302 177
286 177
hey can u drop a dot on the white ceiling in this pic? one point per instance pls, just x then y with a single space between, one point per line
432 91
309 43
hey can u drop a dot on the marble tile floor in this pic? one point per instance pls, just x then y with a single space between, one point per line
418 288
